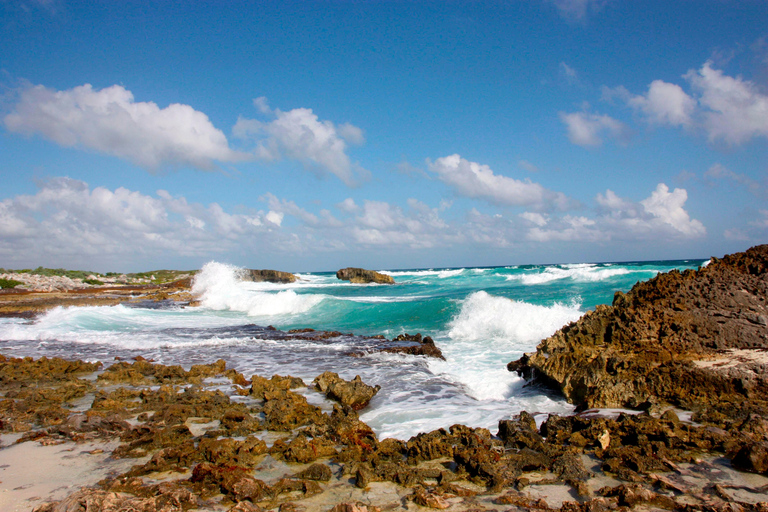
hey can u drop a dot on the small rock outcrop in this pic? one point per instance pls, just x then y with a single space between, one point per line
355 393
270 276
361 275
693 339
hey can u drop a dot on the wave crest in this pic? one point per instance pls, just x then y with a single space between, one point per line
219 287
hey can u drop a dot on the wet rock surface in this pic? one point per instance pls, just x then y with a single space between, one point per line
697 340
205 437
263 446
270 276
361 276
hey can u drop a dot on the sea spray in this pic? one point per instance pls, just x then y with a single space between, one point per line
220 287
488 332
480 318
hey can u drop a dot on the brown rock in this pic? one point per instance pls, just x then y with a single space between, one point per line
360 275
270 276
355 393
684 338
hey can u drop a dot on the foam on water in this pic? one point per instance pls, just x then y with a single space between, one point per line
577 272
219 287
487 333
468 312
489 317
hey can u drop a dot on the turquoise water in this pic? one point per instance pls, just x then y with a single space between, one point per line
481 318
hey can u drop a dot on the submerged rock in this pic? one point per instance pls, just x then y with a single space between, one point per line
361 275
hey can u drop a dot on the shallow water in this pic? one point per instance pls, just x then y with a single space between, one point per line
481 318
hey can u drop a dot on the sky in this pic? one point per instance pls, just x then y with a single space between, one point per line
312 136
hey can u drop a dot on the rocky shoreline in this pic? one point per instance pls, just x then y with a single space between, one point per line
682 355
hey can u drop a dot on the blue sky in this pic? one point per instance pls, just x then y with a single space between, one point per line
309 136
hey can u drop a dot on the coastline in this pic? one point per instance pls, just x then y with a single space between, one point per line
207 437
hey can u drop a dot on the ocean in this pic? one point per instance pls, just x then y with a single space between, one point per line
481 319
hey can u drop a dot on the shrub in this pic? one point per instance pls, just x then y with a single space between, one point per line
9 283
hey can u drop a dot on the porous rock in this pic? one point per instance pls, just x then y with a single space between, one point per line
361 276
692 339
270 276
355 393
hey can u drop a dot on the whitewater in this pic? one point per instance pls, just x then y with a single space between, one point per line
481 319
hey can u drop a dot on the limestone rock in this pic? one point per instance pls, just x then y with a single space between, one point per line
355 393
270 276
693 339
361 275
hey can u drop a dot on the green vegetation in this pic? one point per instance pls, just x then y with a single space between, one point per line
72 274
9 283
162 276
155 276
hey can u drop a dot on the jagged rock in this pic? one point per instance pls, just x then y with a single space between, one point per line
231 480
169 498
361 275
752 457
354 507
316 471
260 386
521 433
289 410
270 276
426 347
355 393
692 339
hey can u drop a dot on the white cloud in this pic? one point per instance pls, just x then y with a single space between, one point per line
67 222
667 207
472 179
300 135
587 129
384 224
110 121
534 218
282 206
348 205
666 104
728 109
570 229
659 216
735 111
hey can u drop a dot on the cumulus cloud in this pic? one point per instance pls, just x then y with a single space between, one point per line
734 109
472 179
110 121
587 129
67 221
725 108
299 134
665 103
660 216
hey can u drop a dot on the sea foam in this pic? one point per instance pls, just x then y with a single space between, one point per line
577 272
220 287
487 333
